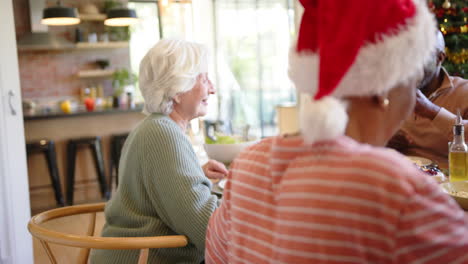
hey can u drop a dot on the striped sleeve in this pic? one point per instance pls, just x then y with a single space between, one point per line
432 228
217 235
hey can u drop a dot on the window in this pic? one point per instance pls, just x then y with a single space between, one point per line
252 39
250 42
158 19
177 19
145 33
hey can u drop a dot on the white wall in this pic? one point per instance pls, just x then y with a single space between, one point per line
15 241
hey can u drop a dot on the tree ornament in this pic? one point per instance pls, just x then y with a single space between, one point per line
464 29
446 4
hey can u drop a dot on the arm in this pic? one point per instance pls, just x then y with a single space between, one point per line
214 169
441 117
444 121
176 184
217 234
432 228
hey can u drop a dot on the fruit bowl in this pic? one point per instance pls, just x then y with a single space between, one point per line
458 191
226 152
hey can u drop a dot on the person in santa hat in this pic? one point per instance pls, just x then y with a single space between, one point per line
333 193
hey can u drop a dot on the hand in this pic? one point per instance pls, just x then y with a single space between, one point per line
424 107
214 170
400 141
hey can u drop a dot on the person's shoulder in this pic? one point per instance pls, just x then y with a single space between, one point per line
160 128
261 146
159 123
262 143
259 151
373 154
380 160
460 84
161 120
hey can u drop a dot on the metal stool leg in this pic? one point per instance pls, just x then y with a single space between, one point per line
99 163
117 153
71 159
118 146
53 171
113 164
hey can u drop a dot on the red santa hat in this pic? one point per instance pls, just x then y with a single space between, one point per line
355 48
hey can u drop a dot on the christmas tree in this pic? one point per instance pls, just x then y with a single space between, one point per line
452 18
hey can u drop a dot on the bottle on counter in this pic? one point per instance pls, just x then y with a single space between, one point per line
92 91
458 170
130 101
84 93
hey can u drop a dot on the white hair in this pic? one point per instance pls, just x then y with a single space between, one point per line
169 68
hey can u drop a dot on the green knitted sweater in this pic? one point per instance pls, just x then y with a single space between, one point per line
162 191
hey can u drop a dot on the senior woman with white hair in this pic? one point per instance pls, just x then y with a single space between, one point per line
162 188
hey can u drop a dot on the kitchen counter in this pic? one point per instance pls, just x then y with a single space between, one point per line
51 115
61 128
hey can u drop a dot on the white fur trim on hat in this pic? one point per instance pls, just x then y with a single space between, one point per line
322 119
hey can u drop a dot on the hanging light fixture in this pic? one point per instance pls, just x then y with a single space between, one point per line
60 16
120 17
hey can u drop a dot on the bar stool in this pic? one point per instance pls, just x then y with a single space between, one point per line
117 142
94 143
47 147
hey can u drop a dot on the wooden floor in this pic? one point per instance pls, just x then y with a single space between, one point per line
73 225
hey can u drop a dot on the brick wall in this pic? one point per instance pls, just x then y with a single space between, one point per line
54 73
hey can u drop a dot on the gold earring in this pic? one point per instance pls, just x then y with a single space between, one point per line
385 103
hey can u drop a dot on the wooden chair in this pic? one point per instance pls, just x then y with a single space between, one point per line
47 234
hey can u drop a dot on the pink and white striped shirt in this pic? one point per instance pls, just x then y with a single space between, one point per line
333 202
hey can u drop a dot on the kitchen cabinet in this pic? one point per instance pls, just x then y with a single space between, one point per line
61 128
15 242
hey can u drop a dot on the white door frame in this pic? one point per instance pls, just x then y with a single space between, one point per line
15 240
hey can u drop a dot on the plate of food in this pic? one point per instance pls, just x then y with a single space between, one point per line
420 161
428 167
458 191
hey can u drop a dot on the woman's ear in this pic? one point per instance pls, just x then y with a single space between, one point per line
441 57
381 101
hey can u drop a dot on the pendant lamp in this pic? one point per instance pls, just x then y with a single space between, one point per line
60 16
120 17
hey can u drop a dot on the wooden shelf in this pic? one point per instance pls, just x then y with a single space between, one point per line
79 46
44 47
94 74
93 17
102 45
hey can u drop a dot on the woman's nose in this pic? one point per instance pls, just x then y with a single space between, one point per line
211 89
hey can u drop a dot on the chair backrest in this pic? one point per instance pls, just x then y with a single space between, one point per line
48 234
